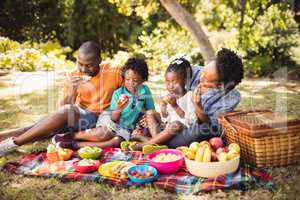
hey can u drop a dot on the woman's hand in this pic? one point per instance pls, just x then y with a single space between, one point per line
196 96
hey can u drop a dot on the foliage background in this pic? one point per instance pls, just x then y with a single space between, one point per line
263 32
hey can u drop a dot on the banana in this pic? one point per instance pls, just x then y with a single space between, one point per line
207 155
203 154
200 154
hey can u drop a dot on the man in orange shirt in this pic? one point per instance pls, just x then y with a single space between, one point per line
87 92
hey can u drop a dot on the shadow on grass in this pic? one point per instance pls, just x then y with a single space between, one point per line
16 111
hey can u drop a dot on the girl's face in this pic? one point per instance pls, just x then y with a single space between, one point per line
175 83
132 81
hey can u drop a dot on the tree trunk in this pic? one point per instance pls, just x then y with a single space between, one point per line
186 20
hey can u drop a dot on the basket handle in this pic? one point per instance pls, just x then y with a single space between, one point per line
225 121
245 112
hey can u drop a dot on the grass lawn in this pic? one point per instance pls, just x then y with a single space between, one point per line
17 112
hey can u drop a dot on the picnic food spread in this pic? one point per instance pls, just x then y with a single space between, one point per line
197 157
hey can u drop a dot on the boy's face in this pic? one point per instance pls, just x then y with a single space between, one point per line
88 64
175 83
132 80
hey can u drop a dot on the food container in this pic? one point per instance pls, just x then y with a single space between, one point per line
167 167
86 168
212 169
142 169
89 152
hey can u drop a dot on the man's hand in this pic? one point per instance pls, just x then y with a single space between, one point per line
75 82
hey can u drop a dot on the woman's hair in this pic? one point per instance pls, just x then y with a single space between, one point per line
230 68
137 65
181 66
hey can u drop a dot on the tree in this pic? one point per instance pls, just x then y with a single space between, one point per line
186 20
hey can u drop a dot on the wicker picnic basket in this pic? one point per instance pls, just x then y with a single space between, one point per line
266 139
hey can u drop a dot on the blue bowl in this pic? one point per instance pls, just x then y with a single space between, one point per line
141 169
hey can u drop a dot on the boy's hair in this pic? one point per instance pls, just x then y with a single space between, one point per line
230 68
138 65
181 66
90 48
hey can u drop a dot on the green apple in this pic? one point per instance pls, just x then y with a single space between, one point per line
194 146
222 157
234 147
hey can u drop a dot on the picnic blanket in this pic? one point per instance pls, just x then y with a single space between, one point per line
181 182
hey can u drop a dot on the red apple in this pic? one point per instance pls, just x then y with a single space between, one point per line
221 150
214 156
216 142
123 97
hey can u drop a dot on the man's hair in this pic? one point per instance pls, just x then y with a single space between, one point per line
90 48
137 65
181 66
230 68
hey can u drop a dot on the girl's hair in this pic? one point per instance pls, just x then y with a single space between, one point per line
181 66
138 65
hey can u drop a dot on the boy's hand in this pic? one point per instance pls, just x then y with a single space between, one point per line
122 102
143 122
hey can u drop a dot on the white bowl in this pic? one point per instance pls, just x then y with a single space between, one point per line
211 169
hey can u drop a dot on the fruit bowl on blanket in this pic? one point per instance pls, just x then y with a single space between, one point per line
89 152
86 165
142 174
166 160
212 169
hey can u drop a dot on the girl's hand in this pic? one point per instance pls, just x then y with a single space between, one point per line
164 112
171 99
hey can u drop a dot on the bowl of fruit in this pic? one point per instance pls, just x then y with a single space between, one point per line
57 154
166 160
142 174
89 152
211 159
86 165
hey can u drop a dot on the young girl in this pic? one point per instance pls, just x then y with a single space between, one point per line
127 104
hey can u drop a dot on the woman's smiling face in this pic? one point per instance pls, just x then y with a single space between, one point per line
209 75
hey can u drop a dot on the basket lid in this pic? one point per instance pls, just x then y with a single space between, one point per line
260 119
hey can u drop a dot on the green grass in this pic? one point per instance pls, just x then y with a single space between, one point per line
15 113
